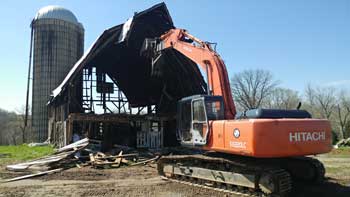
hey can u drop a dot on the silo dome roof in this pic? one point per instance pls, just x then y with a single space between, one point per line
56 12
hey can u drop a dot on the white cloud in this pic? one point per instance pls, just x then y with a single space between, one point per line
339 84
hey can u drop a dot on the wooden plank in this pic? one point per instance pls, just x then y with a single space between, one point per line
119 156
41 163
78 144
119 159
32 175
100 155
125 161
92 158
144 162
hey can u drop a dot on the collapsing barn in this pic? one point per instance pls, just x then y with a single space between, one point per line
115 94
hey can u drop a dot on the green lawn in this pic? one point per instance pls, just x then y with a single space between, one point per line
340 152
13 154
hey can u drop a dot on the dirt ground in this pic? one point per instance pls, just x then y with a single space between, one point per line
144 181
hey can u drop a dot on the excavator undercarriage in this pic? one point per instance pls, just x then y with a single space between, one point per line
241 175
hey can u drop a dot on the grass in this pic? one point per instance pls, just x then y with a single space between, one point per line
19 153
337 164
338 169
340 152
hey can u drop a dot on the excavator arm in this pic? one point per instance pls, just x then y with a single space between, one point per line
203 55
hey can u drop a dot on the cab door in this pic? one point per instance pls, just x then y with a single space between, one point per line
192 128
199 122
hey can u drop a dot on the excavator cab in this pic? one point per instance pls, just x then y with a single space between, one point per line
193 116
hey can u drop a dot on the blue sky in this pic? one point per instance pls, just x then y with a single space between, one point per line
298 41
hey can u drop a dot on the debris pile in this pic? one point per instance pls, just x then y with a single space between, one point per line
343 143
81 154
60 158
101 160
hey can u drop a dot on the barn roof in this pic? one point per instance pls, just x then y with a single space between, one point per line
117 52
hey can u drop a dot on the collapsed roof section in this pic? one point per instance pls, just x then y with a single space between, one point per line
117 53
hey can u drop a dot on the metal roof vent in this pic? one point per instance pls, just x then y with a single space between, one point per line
56 12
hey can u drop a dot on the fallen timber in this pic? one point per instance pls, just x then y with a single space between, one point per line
66 157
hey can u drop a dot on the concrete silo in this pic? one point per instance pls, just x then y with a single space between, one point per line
58 42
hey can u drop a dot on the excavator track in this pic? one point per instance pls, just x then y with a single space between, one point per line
224 191
226 175
305 169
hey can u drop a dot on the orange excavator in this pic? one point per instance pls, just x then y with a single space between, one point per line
259 152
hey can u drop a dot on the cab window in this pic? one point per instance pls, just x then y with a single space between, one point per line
198 111
215 110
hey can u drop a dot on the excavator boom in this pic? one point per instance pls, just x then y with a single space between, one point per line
202 54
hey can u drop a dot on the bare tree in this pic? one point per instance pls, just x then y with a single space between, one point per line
343 113
321 100
21 122
282 98
12 130
6 119
251 87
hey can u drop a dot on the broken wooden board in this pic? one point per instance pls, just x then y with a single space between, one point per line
32 175
92 158
39 164
119 159
145 162
78 145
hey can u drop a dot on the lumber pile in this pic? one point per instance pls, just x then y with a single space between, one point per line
68 157
60 158
343 143
100 160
